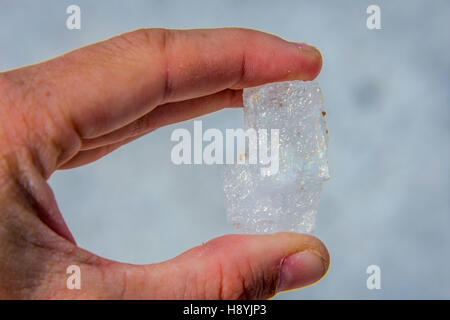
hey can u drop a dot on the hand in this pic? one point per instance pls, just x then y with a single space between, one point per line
75 109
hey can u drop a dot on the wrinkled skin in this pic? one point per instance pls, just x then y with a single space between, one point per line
77 108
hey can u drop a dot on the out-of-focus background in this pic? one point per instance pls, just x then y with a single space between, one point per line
387 95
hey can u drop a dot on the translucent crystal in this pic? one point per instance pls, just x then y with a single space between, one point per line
287 200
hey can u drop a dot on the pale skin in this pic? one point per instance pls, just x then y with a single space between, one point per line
75 109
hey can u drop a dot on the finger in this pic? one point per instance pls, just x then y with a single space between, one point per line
94 149
168 114
231 267
105 86
88 156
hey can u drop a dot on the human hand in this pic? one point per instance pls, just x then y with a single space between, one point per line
74 109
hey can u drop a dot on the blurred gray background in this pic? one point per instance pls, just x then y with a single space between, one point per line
387 95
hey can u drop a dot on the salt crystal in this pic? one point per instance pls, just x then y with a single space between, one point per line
287 200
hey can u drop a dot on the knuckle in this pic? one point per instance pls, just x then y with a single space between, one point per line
155 44
155 38
137 45
136 37
30 117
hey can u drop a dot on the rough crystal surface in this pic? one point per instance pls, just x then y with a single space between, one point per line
287 200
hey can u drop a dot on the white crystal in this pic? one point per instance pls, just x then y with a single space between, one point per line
287 200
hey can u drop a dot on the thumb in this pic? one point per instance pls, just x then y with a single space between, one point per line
231 267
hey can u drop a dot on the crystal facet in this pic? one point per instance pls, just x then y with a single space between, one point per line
287 200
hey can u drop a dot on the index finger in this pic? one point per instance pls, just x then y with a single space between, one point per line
105 86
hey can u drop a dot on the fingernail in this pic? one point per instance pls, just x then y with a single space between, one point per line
306 47
300 269
303 45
